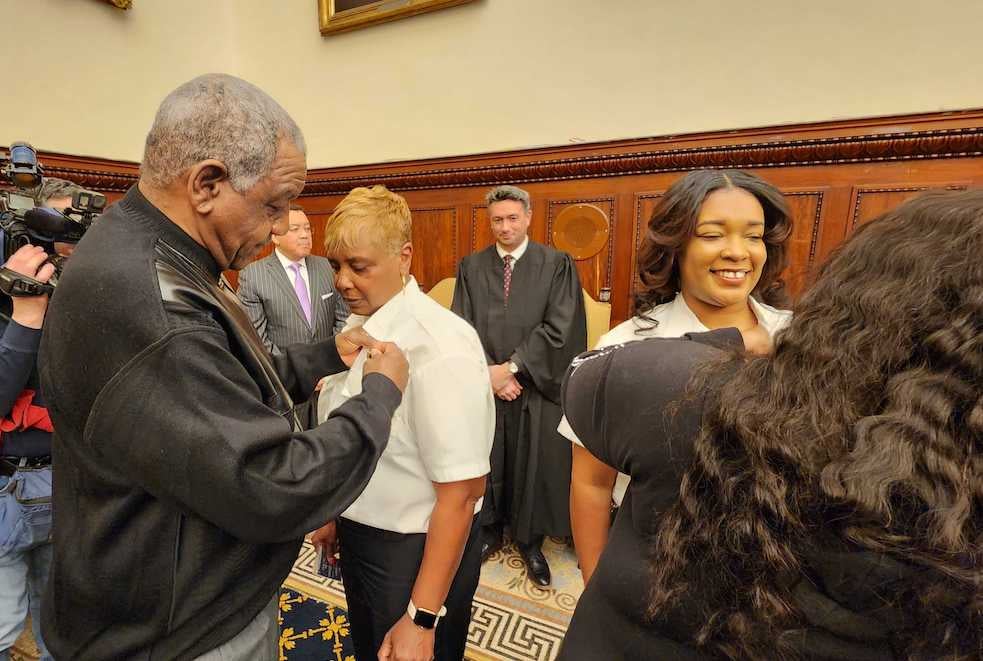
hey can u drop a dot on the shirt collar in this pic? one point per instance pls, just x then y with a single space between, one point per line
517 253
286 262
170 232
681 319
773 320
382 323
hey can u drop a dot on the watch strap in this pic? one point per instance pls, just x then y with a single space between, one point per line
424 618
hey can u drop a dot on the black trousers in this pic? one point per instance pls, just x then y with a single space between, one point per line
379 568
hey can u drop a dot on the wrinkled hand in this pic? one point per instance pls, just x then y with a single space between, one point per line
326 538
757 340
389 361
510 391
407 642
500 376
29 260
351 342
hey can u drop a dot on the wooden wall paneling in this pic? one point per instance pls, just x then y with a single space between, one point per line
481 235
869 202
836 175
807 213
319 223
595 272
644 206
435 246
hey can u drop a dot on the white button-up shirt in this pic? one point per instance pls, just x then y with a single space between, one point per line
442 430
675 319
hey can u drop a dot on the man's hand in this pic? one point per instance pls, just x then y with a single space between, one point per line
28 260
407 642
389 361
510 391
500 376
352 341
326 538
757 340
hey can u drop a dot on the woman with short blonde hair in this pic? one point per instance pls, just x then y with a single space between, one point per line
409 544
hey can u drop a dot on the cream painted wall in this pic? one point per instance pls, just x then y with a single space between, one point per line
495 74
86 78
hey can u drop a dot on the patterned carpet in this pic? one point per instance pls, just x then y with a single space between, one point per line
512 619
312 630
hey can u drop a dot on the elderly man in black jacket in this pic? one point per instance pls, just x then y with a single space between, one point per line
182 487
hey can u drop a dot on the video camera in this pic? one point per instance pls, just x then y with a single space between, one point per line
23 223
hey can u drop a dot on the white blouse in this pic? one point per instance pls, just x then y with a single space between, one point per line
443 429
675 319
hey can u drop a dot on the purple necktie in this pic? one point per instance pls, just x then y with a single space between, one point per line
300 287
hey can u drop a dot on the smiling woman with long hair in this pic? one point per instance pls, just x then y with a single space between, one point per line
828 498
712 257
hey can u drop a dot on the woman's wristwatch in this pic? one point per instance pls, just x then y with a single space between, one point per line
422 617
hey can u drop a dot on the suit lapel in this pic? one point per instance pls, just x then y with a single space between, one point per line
280 277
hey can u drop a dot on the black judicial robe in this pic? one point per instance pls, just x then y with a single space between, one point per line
545 326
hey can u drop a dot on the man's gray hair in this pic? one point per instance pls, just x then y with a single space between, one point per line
503 193
217 116
55 188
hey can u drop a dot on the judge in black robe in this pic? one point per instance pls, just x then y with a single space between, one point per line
541 329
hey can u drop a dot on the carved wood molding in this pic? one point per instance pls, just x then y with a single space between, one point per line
941 137
475 209
97 180
878 147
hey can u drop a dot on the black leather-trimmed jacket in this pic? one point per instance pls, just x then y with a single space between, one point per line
182 490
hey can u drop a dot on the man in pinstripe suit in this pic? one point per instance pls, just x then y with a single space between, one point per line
290 296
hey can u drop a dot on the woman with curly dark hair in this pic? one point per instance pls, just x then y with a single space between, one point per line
712 257
821 502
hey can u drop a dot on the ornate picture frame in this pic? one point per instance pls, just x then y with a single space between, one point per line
344 15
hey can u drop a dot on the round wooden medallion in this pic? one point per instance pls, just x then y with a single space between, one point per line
581 230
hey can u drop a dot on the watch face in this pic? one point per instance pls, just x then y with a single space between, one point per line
425 619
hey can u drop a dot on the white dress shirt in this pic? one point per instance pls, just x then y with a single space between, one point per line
442 430
516 254
291 277
675 319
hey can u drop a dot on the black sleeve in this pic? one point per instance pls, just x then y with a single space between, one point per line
301 366
548 350
617 399
185 422
462 305
18 355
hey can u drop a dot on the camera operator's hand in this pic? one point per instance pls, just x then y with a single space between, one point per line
390 362
29 261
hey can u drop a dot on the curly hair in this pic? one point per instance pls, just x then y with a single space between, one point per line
864 427
673 224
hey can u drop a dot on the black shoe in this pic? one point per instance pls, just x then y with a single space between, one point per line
537 568
491 542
